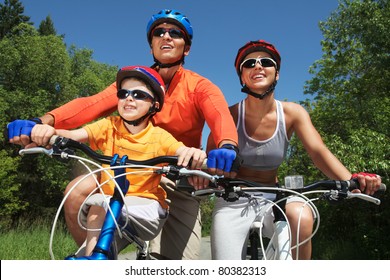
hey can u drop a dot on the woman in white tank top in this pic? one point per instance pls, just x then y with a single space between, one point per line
265 127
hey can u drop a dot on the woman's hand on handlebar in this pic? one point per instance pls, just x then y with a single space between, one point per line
369 183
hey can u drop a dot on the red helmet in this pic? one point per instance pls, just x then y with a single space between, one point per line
256 46
148 75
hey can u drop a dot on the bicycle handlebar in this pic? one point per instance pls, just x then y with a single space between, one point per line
61 147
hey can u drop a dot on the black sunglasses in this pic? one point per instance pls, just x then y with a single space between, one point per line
174 33
136 94
264 62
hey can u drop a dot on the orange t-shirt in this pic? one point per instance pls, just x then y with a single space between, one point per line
111 137
191 100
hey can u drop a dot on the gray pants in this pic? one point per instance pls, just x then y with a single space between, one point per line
182 232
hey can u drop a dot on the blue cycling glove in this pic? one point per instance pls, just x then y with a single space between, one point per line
225 158
19 127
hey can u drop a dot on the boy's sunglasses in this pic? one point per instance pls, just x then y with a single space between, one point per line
174 33
136 94
264 62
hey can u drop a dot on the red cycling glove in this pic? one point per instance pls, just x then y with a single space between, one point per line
355 175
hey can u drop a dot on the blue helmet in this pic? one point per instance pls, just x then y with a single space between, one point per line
172 16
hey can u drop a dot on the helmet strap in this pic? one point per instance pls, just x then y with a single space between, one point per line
246 90
151 112
167 65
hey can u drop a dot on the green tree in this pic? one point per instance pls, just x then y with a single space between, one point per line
38 74
351 83
353 74
351 110
11 15
32 67
88 75
47 27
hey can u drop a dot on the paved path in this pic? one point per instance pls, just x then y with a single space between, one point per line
205 251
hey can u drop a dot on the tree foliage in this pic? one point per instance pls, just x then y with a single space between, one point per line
47 27
37 74
11 15
351 80
351 110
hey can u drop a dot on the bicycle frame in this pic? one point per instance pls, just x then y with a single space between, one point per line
103 249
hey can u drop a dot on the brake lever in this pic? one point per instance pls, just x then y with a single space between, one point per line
365 197
36 150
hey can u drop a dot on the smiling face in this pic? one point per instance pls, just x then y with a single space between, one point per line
130 108
167 49
258 78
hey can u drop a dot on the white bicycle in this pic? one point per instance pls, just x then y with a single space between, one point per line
278 247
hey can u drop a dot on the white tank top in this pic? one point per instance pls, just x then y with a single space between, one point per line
265 154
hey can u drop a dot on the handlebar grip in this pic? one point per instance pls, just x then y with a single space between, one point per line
204 164
53 139
382 188
355 185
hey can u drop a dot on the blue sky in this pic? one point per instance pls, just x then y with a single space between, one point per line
116 32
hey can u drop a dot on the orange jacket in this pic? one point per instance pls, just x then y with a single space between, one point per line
190 101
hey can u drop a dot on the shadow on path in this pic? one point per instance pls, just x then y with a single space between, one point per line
205 251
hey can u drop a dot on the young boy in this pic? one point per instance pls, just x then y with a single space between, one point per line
140 95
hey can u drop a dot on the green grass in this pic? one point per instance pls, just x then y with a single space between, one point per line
31 242
29 238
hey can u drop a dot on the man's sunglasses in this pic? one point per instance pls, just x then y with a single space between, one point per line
136 94
263 61
174 33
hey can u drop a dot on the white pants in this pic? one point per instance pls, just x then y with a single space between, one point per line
232 222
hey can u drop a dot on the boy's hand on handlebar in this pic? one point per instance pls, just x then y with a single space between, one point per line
191 157
224 161
369 183
194 157
41 134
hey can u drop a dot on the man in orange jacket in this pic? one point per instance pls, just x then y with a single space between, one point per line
190 101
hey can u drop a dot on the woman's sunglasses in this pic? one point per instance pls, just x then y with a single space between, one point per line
174 33
263 61
136 94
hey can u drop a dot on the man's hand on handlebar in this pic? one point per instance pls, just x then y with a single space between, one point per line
224 161
19 132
